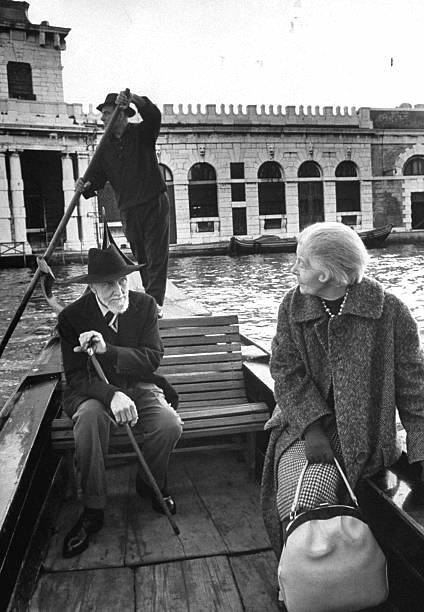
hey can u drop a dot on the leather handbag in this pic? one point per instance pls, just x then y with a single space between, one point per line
331 562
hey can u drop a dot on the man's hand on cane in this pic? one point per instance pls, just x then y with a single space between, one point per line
91 341
123 409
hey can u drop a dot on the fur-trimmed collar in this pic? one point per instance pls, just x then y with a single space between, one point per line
365 299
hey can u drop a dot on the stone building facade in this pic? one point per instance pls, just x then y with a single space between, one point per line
229 171
44 142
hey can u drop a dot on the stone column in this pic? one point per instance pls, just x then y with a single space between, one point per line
225 211
330 206
292 208
87 211
5 218
252 209
182 213
366 205
18 203
72 242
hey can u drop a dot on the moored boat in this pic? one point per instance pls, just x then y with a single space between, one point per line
372 239
375 238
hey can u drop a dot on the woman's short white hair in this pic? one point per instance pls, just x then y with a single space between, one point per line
338 249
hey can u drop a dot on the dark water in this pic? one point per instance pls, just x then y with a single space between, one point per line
250 286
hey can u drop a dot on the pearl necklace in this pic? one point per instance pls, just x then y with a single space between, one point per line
328 311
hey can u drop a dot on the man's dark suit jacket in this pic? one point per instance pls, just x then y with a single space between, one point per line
132 356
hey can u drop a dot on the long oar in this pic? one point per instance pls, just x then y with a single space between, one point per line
138 452
13 323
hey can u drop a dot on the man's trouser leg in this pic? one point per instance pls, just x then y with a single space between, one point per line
91 433
147 230
161 427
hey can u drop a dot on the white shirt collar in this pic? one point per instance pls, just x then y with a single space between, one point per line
104 310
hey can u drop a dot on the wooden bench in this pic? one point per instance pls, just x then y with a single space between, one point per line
203 362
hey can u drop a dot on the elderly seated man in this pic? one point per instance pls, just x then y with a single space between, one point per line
122 329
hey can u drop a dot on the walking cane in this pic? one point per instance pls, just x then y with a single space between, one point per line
138 452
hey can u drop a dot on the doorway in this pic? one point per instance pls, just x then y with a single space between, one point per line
43 195
417 210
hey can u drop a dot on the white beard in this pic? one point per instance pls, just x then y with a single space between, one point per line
118 306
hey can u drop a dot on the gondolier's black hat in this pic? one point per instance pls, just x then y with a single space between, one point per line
110 100
105 265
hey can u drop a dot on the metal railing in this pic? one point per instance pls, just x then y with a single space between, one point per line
13 248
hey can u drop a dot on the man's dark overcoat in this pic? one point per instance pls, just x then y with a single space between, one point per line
133 354
371 355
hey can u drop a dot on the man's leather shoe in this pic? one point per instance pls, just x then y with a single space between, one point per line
77 540
169 501
145 491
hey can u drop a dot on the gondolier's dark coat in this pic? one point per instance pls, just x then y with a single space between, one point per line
372 355
133 354
130 163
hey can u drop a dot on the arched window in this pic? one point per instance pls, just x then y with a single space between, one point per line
166 173
309 169
348 197
169 180
271 190
346 169
310 194
202 191
414 166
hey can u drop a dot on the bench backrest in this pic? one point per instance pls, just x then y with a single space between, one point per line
203 360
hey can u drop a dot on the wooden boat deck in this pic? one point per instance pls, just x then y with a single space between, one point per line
221 561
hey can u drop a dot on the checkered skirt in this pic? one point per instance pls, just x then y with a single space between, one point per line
320 483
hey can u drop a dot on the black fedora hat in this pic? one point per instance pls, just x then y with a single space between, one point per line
104 265
110 100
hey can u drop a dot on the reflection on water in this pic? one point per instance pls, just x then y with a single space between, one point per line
250 286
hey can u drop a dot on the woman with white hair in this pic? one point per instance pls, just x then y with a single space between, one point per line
345 356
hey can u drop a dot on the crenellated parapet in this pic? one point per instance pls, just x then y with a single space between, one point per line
263 115
211 114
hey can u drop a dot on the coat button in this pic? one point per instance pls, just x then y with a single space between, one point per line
361 457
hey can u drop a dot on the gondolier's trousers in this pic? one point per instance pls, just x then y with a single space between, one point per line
161 427
147 230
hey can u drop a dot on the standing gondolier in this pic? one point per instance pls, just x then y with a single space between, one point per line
128 161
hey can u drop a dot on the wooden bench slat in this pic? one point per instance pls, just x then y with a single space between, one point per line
178 332
213 423
213 385
204 396
235 410
200 340
194 321
224 430
193 378
200 368
231 347
203 358
211 403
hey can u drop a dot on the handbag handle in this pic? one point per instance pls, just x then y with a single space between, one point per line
294 507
